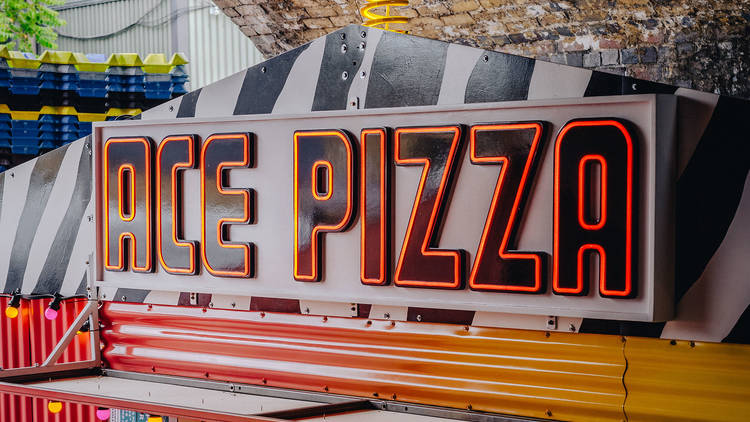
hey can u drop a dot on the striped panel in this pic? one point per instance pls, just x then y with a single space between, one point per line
402 70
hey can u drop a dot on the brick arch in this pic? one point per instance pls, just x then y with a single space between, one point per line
703 45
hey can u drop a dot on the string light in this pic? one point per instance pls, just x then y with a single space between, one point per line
102 413
54 406
84 328
12 310
54 307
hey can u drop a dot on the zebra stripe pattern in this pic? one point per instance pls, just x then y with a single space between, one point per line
45 250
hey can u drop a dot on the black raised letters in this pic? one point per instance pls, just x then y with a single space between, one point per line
420 263
594 209
515 147
175 155
219 205
323 195
127 204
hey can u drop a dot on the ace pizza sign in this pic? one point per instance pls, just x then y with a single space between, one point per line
556 207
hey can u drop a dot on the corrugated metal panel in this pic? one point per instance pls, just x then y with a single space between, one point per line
217 46
687 381
556 375
45 334
28 340
14 353
71 412
132 26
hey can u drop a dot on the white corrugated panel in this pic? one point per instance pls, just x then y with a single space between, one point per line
214 45
125 26
222 48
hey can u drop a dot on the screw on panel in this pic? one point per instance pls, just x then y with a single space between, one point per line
263 69
363 34
171 108
369 323
325 319
210 304
344 75
387 315
572 327
486 58
419 317
692 344
548 413
469 407
342 35
234 305
361 46
307 310
673 342
262 314
362 74
124 298
343 48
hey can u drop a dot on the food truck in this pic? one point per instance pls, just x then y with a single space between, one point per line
381 227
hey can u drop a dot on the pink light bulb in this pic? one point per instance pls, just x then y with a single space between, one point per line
102 414
50 314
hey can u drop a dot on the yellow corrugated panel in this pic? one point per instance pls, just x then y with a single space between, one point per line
684 381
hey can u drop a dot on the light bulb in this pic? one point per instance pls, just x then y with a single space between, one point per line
50 314
54 406
102 414
11 312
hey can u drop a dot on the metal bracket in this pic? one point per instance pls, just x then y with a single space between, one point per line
50 364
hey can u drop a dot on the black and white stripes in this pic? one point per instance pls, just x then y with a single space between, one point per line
45 203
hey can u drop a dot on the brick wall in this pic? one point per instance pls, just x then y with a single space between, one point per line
702 44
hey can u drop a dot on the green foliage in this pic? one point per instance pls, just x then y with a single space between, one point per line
24 22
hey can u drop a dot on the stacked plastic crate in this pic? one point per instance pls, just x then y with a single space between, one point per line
51 100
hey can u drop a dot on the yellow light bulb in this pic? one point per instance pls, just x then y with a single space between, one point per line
11 312
54 406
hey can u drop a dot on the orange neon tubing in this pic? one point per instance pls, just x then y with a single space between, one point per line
121 258
383 211
496 197
628 217
431 224
349 205
603 190
245 204
176 167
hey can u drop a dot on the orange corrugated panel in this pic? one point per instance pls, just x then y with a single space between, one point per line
537 374
687 381
45 334
14 353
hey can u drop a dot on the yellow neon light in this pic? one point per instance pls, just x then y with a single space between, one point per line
382 21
